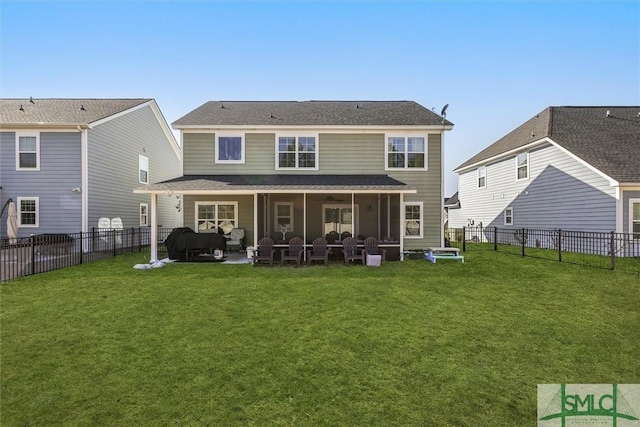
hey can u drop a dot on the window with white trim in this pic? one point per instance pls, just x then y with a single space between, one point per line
210 216
283 216
406 152
28 152
144 214
522 165
482 177
28 212
634 218
229 148
413 222
296 152
508 216
143 169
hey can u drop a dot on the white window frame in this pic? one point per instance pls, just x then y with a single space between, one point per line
634 236
37 212
297 153
526 166
482 173
508 214
406 136
143 165
276 227
420 220
242 148
35 135
216 220
144 217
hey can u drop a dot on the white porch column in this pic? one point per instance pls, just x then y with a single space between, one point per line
154 227
304 225
402 218
255 220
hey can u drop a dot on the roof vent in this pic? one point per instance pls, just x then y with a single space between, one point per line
21 108
31 100
82 107
608 113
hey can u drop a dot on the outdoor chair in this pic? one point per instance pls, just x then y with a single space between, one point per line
293 252
345 234
319 252
264 252
236 238
351 251
371 248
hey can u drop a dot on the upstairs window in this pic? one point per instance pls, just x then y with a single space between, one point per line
229 149
522 164
296 152
29 215
143 167
482 177
406 152
27 152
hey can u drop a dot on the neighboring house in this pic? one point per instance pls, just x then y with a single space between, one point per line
570 168
449 204
280 169
69 162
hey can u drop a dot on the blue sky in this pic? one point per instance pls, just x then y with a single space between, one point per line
495 63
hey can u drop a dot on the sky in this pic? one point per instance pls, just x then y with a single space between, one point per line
496 64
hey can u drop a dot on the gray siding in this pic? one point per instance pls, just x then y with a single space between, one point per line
561 193
60 209
339 153
114 147
245 212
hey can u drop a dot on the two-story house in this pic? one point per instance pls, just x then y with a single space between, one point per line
66 163
570 168
370 168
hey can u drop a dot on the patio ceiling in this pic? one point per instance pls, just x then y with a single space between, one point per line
253 184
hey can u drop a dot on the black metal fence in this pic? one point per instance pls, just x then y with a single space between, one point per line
620 251
46 252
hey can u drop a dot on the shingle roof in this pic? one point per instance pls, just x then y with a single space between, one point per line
61 111
310 113
609 143
272 183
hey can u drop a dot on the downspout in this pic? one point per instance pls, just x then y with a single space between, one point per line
84 177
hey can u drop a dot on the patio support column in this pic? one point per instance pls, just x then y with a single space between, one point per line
255 219
154 227
353 215
378 217
304 225
401 217
389 215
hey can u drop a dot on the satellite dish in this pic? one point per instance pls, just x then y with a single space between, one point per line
443 113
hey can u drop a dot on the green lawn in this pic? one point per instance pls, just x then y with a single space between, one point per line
411 343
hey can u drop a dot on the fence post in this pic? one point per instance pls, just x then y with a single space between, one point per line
464 239
612 250
495 239
559 245
523 241
33 254
114 243
81 246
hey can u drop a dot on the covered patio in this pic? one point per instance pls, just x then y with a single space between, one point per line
284 206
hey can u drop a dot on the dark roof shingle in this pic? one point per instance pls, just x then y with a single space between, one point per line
609 142
310 113
61 111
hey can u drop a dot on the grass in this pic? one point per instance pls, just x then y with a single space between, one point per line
411 343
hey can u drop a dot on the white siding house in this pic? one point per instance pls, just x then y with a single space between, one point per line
571 168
